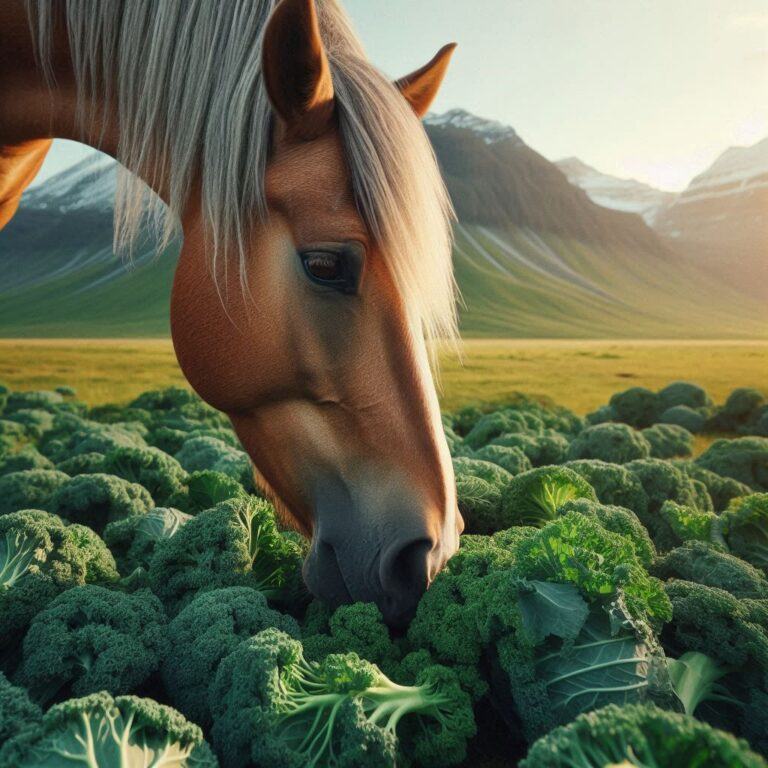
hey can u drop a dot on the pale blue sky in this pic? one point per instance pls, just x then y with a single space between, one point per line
653 89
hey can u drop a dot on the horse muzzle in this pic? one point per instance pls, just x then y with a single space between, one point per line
388 556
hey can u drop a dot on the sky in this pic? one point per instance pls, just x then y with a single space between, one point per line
647 89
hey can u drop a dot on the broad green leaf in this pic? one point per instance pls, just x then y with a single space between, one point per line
549 609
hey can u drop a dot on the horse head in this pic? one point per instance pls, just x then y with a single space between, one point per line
316 254
316 356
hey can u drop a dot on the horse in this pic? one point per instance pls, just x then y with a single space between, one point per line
315 273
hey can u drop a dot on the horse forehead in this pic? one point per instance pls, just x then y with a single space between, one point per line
311 174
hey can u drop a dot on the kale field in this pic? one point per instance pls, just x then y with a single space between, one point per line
608 606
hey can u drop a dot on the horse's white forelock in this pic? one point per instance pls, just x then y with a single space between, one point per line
185 78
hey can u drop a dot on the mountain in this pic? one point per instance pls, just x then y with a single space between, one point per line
721 219
609 191
490 131
59 275
534 256
86 186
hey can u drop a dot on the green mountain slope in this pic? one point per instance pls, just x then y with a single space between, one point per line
501 293
92 303
60 277
534 257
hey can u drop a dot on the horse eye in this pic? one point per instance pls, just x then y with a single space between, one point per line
324 266
338 266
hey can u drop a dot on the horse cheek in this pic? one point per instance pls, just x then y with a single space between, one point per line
205 339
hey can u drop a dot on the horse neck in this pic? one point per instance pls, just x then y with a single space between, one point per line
28 108
32 113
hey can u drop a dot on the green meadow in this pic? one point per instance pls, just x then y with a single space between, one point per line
580 375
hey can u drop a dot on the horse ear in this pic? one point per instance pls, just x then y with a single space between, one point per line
296 71
421 86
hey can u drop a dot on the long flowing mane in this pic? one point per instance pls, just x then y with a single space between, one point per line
185 78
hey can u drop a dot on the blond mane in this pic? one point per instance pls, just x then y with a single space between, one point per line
185 76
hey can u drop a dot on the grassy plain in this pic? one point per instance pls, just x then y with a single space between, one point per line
578 374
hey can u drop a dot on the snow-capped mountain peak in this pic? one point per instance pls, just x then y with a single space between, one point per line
722 217
627 195
737 170
89 184
491 131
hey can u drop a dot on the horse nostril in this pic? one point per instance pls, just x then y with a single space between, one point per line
323 576
405 574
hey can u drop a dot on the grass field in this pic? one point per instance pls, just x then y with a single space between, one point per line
578 374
